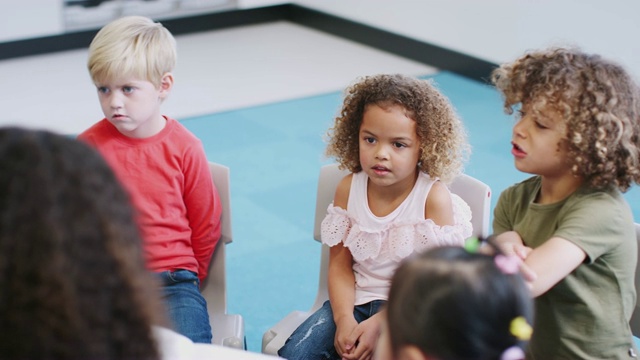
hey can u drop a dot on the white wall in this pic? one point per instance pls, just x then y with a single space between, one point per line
494 30
501 30
23 19
30 18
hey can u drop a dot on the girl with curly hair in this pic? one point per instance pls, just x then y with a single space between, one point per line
578 132
449 304
402 141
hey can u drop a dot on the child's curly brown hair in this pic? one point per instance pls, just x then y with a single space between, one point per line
599 102
72 274
443 139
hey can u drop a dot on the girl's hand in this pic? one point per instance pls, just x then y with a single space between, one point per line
365 335
344 327
511 243
521 251
528 274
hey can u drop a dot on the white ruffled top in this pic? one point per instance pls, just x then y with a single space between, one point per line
378 244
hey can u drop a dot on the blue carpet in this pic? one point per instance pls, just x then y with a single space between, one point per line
275 152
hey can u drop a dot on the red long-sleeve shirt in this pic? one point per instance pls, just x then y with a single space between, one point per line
168 178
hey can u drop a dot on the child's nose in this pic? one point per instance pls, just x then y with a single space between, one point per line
519 129
381 152
115 101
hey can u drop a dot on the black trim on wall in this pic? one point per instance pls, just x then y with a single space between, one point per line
442 58
225 19
46 44
82 39
423 52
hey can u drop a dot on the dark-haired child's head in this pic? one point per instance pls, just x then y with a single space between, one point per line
593 103
71 269
448 303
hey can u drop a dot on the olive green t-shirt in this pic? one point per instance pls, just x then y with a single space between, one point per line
586 315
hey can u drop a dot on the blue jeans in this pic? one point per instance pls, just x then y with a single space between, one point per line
314 338
186 307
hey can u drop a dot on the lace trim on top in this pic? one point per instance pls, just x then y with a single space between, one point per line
401 238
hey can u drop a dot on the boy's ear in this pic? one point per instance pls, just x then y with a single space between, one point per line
166 83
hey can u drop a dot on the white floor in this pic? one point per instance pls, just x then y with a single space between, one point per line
217 70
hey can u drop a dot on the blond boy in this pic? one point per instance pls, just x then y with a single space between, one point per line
162 164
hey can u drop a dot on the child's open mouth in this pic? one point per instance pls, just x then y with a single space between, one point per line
380 170
517 151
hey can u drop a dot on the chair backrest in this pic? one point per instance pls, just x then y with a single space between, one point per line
635 319
478 196
330 176
222 180
474 192
214 287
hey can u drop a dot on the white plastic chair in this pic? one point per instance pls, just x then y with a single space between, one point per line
476 193
635 319
478 196
227 329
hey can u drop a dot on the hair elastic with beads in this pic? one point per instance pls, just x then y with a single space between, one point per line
521 329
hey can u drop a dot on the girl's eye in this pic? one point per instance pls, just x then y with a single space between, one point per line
399 145
127 89
369 140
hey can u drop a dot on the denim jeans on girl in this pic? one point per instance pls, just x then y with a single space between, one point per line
313 339
185 305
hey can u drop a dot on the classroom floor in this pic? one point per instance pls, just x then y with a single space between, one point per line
261 99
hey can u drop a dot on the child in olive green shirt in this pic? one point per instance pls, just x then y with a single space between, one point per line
578 133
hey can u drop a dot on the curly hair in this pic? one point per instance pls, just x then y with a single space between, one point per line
71 267
599 103
443 139
453 304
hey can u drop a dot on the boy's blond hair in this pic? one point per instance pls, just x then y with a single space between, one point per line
599 103
132 46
